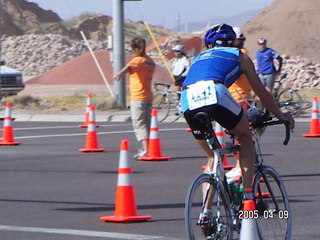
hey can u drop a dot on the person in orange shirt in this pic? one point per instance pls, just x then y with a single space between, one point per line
141 69
241 92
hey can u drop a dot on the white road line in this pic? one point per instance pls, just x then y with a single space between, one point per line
83 134
85 233
60 127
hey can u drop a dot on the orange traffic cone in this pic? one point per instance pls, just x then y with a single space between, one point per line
86 118
248 224
7 133
125 207
221 138
154 148
315 124
92 137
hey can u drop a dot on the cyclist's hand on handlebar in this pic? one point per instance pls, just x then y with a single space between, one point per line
287 117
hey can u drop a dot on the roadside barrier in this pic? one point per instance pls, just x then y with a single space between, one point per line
7 133
314 123
86 118
154 147
221 138
91 144
248 229
125 204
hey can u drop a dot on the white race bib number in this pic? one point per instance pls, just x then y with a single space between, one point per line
201 94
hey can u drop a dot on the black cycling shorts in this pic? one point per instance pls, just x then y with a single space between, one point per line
178 81
218 113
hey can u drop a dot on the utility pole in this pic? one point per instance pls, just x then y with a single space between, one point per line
119 51
0 31
178 22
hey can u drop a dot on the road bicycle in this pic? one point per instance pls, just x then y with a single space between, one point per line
289 99
213 189
167 102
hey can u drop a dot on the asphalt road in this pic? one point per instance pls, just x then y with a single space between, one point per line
49 190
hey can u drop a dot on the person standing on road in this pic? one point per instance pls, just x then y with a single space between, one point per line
206 90
180 66
265 59
141 69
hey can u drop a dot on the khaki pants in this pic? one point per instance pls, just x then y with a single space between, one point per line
141 118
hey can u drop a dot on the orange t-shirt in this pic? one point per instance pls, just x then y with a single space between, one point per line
241 88
141 71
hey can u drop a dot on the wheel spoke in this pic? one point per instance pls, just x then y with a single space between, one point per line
274 210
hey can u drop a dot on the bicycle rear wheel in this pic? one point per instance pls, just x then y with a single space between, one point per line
290 100
219 224
273 205
163 105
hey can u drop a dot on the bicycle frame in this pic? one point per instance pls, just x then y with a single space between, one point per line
168 101
226 219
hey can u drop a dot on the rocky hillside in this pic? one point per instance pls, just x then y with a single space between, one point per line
22 17
19 16
291 27
28 47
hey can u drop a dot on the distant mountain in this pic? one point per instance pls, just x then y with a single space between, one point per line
236 20
290 26
22 17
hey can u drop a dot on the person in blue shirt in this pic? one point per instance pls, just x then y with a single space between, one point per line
265 59
205 89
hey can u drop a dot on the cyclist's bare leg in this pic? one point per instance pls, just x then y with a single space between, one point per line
209 154
209 168
246 152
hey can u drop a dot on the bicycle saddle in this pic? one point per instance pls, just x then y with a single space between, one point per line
202 117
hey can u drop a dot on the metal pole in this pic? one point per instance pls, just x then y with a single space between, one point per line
118 52
0 29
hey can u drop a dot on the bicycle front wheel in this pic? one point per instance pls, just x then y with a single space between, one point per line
206 193
272 202
163 105
291 101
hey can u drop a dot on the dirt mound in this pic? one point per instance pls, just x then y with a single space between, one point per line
291 27
19 14
83 71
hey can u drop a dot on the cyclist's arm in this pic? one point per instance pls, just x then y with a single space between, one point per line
266 98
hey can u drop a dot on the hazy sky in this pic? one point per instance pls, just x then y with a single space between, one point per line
156 12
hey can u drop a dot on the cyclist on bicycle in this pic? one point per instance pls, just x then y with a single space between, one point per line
206 90
180 66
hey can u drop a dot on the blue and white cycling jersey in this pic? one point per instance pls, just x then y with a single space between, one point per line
219 63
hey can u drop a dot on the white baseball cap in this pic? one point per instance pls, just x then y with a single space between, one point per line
239 33
262 41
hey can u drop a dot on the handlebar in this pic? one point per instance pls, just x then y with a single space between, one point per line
156 84
266 120
282 76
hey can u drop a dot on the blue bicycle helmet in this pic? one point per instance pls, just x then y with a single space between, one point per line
220 35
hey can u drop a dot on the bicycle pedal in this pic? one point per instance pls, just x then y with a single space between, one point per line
208 231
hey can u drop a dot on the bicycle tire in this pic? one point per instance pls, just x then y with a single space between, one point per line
174 111
306 105
272 202
290 100
162 104
194 205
